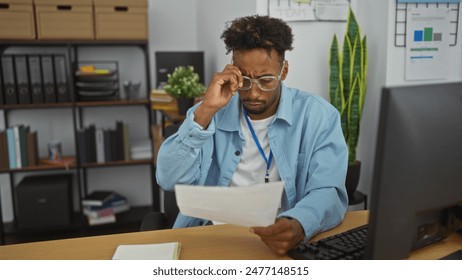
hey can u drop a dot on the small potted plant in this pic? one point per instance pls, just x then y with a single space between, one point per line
183 84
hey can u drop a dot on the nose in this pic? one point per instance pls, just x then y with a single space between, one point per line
253 91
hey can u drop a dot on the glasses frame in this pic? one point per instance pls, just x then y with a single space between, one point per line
257 81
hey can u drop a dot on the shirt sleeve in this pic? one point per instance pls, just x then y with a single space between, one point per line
181 156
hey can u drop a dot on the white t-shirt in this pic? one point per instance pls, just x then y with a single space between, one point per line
252 167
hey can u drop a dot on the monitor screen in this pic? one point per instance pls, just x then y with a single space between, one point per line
166 62
418 168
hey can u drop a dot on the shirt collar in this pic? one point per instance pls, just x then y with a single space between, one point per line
229 121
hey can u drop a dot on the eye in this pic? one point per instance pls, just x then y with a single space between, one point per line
266 80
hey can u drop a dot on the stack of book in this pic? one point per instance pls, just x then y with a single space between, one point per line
18 147
141 149
101 207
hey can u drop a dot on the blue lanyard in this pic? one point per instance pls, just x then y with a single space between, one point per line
270 159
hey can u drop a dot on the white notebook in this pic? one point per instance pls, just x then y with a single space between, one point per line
161 251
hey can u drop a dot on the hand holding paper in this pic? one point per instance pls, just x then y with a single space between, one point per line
249 206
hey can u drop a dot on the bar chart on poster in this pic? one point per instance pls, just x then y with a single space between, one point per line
429 35
402 17
309 10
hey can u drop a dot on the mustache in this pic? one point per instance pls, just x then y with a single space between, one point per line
252 100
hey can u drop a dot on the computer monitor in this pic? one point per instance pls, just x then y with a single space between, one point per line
167 61
418 168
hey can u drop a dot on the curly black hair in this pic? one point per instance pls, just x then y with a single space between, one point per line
256 31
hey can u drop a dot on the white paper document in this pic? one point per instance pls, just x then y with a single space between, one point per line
160 251
255 205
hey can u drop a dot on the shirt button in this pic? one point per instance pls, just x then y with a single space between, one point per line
237 153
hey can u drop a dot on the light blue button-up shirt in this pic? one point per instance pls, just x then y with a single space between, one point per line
308 147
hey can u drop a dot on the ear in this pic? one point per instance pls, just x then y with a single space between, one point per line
285 70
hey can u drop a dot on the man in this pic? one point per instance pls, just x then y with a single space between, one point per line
251 128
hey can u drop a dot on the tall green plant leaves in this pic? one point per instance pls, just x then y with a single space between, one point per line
354 117
364 67
351 84
334 76
346 71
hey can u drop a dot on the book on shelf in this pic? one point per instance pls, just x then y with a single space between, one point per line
11 147
98 198
100 156
141 149
111 210
103 145
159 251
4 161
93 221
117 204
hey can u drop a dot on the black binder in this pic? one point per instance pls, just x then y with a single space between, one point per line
2 96
35 74
22 79
9 84
90 141
48 79
62 88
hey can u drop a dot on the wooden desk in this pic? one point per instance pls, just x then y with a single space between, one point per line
221 242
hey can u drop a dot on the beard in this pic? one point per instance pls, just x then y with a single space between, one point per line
252 110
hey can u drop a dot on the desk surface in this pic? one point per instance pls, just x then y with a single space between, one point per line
225 242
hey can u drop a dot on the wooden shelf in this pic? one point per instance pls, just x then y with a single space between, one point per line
112 103
69 163
35 106
117 163
77 111
71 42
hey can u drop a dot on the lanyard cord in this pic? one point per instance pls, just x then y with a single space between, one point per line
255 138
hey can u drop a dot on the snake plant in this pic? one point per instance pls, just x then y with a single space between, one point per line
347 81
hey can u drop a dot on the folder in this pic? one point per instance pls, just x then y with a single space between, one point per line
62 88
4 161
48 79
22 79
35 75
90 143
2 96
9 84
81 140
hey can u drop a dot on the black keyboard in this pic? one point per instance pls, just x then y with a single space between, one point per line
348 245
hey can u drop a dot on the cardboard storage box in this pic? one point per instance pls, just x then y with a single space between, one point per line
64 19
17 19
121 19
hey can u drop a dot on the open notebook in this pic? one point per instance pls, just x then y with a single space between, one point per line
161 251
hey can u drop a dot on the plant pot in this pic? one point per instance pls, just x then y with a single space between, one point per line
184 104
352 178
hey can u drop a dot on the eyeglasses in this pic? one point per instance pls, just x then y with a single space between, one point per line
265 83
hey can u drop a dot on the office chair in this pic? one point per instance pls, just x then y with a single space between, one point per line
159 220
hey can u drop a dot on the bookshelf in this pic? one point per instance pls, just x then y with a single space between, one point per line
75 111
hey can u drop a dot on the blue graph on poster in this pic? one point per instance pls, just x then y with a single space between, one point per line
401 17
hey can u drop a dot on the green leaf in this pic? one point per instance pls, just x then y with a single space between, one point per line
335 76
